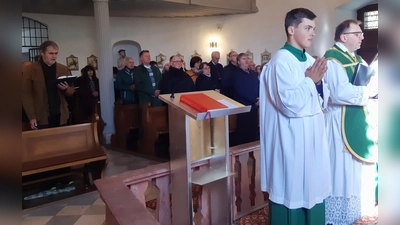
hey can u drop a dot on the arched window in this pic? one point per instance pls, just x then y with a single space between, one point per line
34 33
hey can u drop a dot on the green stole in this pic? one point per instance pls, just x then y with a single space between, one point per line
354 123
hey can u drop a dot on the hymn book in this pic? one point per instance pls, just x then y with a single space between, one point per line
201 102
69 79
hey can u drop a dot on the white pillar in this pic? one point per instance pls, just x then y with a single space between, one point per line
105 73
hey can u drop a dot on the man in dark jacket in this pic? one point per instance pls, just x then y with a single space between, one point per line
226 80
147 80
216 67
175 80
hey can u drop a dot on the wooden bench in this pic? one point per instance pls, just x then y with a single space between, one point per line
62 147
154 123
126 117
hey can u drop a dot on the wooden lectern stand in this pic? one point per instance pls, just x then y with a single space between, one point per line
194 138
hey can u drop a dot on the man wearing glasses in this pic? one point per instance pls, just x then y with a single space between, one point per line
175 80
346 110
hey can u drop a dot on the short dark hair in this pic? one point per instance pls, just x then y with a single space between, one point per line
194 60
202 65
343 27
153 63
240 56
142 52
44 45
295 16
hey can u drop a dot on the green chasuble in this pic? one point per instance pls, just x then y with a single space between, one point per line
354 118
280 215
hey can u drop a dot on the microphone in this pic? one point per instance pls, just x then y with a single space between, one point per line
180 82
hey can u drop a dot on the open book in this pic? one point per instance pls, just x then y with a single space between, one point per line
69 79
362 75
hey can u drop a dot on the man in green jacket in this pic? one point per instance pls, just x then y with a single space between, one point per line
147 79
125 83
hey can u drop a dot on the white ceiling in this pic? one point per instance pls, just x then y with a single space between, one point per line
142 8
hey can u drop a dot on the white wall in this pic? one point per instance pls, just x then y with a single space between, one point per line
257 32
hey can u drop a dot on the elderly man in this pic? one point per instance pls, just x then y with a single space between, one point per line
252 66
147 80
175 80
125 83
42 98
227 74
216 68
347 136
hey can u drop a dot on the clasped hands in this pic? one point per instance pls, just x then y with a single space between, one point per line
317 70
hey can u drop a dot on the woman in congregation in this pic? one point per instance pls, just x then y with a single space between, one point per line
205 81
195 70
88 92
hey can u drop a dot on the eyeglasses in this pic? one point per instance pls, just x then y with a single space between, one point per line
176 61
206 68
357 33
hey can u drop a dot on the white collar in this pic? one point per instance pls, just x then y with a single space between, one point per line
341 46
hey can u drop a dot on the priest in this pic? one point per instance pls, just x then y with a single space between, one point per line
352 145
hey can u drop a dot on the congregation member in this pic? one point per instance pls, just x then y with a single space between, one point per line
88 92
43 98
147 80
294 148
227 74
216 68
125 83
195 70
246 86
166 66
204 81
176 80
252 66
347 101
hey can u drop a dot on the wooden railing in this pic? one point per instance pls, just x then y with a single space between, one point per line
124 194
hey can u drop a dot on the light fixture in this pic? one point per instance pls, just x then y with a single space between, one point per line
213 44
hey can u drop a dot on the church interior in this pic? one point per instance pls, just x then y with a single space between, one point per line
117 166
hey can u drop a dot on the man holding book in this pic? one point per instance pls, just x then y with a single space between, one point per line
346 124
43 97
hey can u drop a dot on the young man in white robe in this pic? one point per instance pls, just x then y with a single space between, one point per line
295 167
347 130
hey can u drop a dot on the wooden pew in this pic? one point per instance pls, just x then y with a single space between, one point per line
126 117
154 123
62 147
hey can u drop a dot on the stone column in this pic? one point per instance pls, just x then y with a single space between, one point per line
105 73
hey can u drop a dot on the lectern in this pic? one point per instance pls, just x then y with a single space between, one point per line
196 136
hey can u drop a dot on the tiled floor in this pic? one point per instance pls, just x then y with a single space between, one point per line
85 209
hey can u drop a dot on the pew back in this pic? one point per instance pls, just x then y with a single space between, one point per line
54 148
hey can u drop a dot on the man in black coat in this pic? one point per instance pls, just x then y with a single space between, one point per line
226 80
175 80
216 68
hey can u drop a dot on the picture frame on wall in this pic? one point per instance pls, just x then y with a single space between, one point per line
249 54
92 61
160 59
265 57
72 62
196 54
181 56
